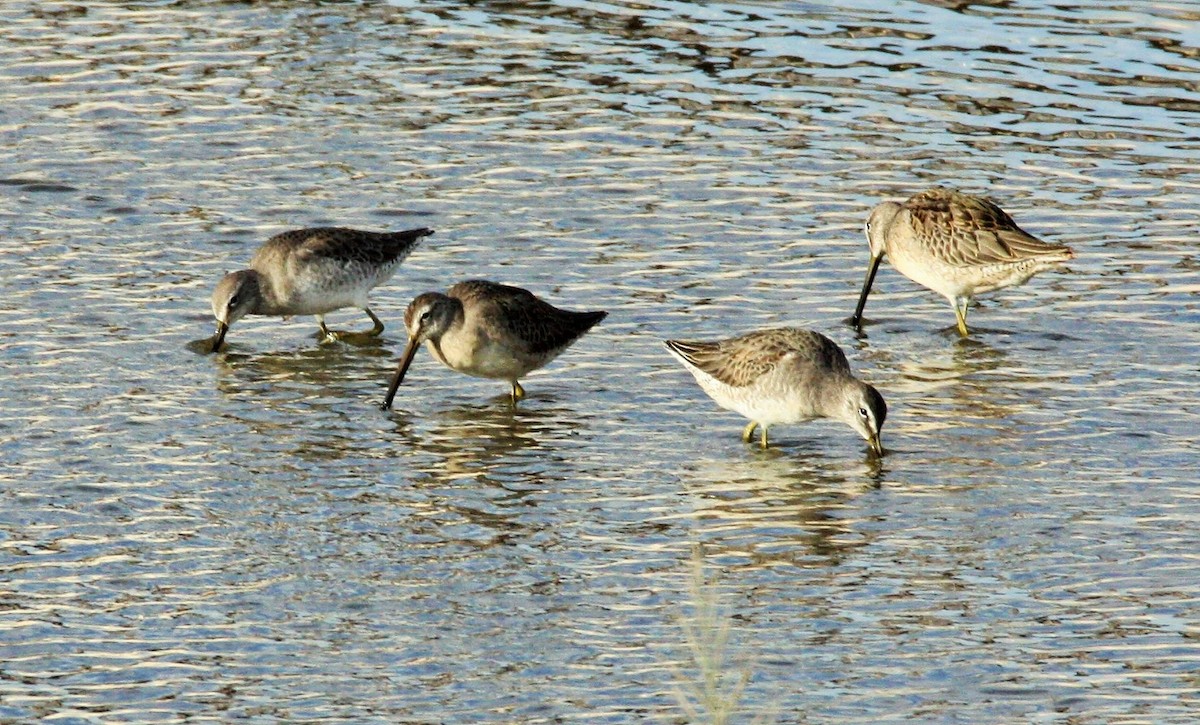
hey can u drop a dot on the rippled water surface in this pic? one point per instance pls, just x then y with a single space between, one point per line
245 536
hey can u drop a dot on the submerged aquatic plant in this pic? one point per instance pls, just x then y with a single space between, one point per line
713 692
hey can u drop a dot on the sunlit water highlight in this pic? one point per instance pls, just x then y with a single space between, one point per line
246 536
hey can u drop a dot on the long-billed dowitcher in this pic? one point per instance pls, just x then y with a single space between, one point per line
489 330
312 272
784 375
956 245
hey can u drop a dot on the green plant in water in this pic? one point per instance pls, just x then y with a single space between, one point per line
712 695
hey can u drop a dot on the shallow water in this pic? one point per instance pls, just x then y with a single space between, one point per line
246 536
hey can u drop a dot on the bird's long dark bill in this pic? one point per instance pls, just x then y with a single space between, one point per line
410 352
872 268
219 338
876 444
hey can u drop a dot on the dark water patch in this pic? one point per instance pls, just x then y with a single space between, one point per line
38 186
403 212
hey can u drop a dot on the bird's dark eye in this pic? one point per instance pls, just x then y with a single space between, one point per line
425 315
233 301
862 412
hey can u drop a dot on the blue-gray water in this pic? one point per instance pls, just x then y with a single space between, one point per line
246 537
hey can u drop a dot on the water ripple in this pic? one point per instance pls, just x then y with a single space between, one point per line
248 537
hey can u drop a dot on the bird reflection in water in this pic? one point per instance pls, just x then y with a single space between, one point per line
328 369
509 446
300 399
777 507
965 403
486 463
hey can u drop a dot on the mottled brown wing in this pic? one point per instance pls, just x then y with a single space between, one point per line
711 357
813 348
541 326
970 231
740 361
342 245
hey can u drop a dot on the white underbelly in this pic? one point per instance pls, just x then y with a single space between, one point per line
763 401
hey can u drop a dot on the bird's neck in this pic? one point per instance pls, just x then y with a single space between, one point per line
833 396
457 314
453 321
264 294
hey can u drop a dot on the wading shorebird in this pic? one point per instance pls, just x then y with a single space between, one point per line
489 330
956 245
784 375
312 272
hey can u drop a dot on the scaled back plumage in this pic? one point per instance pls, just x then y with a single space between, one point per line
312 272
955 244
489 330
540 325
783 375
741 360
343 244
968 231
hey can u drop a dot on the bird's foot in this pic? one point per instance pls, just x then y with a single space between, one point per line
517 392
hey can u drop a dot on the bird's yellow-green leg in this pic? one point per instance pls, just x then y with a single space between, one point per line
517 392
764 436
327 335
748 431
378 328
960 313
